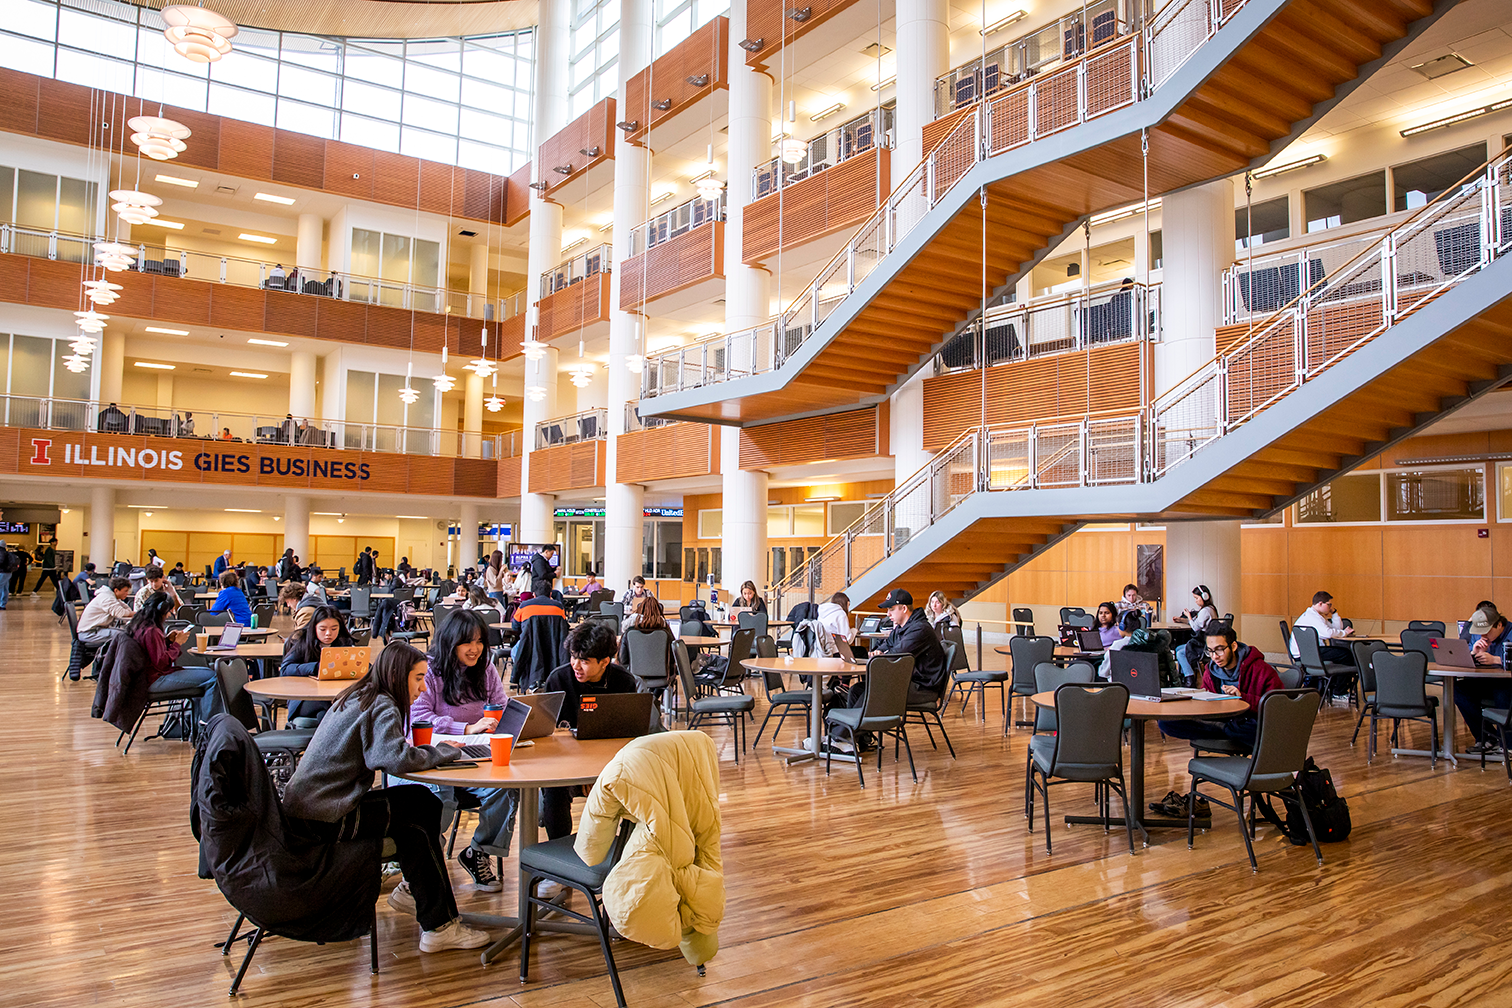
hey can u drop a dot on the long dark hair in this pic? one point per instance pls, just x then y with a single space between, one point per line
389 677
153 613
650 612
460 685
1112 611
496 560
306 646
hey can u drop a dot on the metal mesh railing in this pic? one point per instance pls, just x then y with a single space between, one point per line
1117 312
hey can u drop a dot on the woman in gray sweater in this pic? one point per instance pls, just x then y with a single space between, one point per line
331 795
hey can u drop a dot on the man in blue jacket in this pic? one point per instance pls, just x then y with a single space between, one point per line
221 563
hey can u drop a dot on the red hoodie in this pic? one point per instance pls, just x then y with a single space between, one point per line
1256 677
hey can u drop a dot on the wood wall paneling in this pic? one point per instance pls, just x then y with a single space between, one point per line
705 53
508 484
398 174
349 170
299 160
858 433
575 306
246 149
670 452
18 113
594 128
674 265
517 195
567 467
772 21
203 145
836 198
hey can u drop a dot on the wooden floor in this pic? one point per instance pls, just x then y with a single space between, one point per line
900 894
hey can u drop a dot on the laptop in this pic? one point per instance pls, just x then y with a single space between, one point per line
1450 651
1139 671
736 612
613 715
531 715
1089 640
846 654
343 663
230 635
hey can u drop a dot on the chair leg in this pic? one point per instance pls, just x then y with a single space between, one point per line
134 729
924 720
1433 736
246 961
765 721
1356 737
1192 814
373 943
1123 794
235 927
943 734
1045 794
601 920
903 731
1307 821
1243 830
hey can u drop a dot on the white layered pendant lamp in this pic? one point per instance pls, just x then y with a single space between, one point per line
495 402
408 393
443 381
134 207
160 139
115 256
197 34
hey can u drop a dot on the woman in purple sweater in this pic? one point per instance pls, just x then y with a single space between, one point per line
459 682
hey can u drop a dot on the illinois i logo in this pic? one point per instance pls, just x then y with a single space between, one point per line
39 451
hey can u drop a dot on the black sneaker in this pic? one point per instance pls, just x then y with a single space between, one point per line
1172 805
480 867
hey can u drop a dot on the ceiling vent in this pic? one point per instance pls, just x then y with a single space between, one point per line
1443 66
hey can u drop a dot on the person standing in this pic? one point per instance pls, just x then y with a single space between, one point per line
21 561
222 563
543 571
7 567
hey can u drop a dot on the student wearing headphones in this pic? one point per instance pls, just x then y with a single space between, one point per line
1203 614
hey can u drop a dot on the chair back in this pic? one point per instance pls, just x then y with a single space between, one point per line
1026 653
1068 613
766 646
1400 683
190 611
1049 677
608 619
362 601
1420 641
1286 636
265 614
773 683
648 655
687 689
952 635
886 699
758 621
212 619
1290 678
405 594
363 637
1437 626
1023 621
1306 639
1364 655
1286 723
69 613
270 589
1089 732
231 685
1082 621
490 614
615 609
742 643
688 612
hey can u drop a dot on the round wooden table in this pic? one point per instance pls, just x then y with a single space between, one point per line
1448 675
816 669
703 642
557 760
298 687
255 650
1139 712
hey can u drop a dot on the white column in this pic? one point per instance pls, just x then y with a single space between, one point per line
165 391
477 280
744 542
309 246
1204 553
1198 237
101 528
536 508
296 525
905 428
302 384
112 365
467 537
747 289
923 55
472 416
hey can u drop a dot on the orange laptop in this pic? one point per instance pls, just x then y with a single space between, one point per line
343 663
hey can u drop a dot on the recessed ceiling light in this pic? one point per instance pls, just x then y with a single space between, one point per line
155 367
415 517
246 510
175 180
1291 166
661 198
168 332
260 239
1461 117
247 374
171 225
268 342
270 198
328 514
884 83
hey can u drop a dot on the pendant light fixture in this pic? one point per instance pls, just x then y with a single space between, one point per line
793 149
91 321
494 403
115 256
581 373
160 139
408 393
481 365
197 34
443 381
101 292
535 393
134 207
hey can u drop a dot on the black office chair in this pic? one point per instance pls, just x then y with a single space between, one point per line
1401 695
884 710
731 710
280 748
1087 748
1026 653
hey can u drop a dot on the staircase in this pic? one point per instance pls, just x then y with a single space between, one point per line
1412 329
1207 88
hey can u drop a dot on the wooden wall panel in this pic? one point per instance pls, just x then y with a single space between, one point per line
517 195
574 307
237 307
834 199
508 484
290 313
1102 380
772 21
670 452
853 434
674 265
58 110
567 467
594 128
511 335
190 302
936 131
705 53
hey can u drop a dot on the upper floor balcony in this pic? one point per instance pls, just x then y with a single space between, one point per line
677 79
857 136
588 425
656 448
575 293
674 252
569 452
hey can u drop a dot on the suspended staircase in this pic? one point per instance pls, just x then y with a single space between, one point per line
1417 326
1208 88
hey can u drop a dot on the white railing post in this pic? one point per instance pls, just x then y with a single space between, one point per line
1388 278
1299 336
1220 396
1086 458
1081 91
1031 455
1031 118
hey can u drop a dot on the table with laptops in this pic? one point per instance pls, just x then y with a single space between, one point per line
1451 660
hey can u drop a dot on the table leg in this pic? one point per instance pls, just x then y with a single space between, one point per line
1142 818
810 748
1446 744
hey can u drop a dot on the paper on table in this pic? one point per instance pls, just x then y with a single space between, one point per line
461 741
1205 695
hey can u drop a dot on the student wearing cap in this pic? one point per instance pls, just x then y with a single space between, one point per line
913 634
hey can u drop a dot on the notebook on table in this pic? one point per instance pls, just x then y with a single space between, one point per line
342 663
613 715
846 654
230 635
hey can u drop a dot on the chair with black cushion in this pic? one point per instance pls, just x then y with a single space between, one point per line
212 619
361 613
1326 676
1496 717
1436 627
884 709
1087 748
921 712
758 621
280 749
1420 641
742 644
1049 677
264 614
1285 726
557 861
1364 652
1069 613
1023 621
1401 682
648 658
363 637
79 653
1082 621
615 609
731 710
1026 653
976 682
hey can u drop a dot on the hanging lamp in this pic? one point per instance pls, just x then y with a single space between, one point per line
134 207
197 34
159 138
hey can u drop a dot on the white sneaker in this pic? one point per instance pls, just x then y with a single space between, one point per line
402 899
549 890
453 935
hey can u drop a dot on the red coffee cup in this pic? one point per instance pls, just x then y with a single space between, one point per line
501 746
421 731
497 713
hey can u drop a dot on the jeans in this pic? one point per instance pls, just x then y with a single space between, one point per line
99 636
1335 654
1240 729
556 813
186 678
4 590
496 815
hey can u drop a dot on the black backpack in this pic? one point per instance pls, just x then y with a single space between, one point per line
1327 810
7 561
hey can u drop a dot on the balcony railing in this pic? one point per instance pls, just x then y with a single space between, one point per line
1109 313
634 421
576 269
679 220
270 428
589 425
164 260
1116 75
1256 287
1454 237
826 150
1034 52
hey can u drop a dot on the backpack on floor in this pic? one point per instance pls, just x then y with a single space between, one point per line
1327 810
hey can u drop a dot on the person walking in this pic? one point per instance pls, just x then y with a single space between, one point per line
47 556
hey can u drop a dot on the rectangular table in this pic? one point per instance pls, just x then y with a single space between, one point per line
1448 674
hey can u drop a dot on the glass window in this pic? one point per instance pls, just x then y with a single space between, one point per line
808 521
648 549
106 36
843 515
76 205
669 553
365 251
370 133
710 526
1504 490
482 157
246 71
1420 182
94 71
235 103
31 365
302 118
422 80
431 146
28 56
369 100
426 269
1346 499
173 89
68 384
37 200
395 262
360 388
7 194
365 64
1157 250
311 51
1345 202
1436 495
779 522
433 115
39 20
307 85
443 54
1262 222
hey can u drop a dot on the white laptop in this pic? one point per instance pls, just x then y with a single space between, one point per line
230 635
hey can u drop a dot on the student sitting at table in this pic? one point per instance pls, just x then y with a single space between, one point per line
749 599
1322 617
1131 600
323 628
834 616
1479 622
316 585
1238 670
460 682
98 620
1135 636
637 590
1472 695
940 612
648 619
1127 624
146 627
231 599
157 581
913 635
331 794
1204 613
476 598
86 576
590 669
1107 625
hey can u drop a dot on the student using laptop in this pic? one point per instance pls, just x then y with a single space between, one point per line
590 669
1473 695
1129 622
1238 670
324 629
460 682
1107 623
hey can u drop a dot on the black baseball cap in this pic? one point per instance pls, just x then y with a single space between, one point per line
897 597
